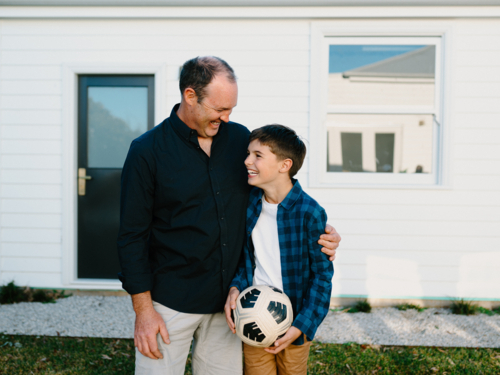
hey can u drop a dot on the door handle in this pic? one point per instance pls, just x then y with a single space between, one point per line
82 180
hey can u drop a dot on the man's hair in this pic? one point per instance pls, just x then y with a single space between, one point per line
283 142
197 73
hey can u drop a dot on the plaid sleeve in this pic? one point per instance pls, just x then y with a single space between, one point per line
241 277
317 301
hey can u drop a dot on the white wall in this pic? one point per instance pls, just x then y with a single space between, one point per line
396 242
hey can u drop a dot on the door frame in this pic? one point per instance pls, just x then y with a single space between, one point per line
162 104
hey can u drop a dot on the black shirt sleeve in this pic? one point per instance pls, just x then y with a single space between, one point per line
136 212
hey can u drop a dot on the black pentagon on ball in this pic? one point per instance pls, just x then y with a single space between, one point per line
249 299
253 332
276 289
278 311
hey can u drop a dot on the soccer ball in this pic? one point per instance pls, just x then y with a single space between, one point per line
263 314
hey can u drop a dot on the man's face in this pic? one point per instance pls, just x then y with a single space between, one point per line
221 98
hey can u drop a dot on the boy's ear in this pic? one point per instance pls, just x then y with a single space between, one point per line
286 165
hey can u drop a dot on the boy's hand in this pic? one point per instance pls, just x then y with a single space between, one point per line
291 335
230 306
330 241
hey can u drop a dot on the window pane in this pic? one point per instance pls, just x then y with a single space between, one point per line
381 75
379 143
117 115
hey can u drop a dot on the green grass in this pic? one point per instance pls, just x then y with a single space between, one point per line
463 307
360 306
408 306
11 293
65 355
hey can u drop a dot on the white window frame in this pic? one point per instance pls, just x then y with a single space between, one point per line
323 34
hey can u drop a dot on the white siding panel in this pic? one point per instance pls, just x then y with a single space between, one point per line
31 250
13 176
23 117
414 227
24 264
18 87
11 72
477 136
488 58
33 279
31 221
31 191
477 89
45 102
464 119
475 43
42 147
274 74
31 161
474 75
477 183
255 119
234 58
153 27
17 235
480 167
141 43
31 206
477 151
481 105
412 212
51 132
423 242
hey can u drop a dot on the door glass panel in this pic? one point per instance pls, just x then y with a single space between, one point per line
116 116
381 75
380 143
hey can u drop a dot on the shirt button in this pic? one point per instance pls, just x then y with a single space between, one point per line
217 192
222 218
224 244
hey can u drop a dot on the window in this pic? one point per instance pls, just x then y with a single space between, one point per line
380 118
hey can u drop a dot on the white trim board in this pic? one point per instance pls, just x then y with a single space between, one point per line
70 158
264 12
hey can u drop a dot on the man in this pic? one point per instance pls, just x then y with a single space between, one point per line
182 221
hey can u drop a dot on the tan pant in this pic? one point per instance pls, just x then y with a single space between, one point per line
216 350
290 361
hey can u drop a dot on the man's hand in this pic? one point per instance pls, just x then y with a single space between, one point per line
147 325
330 241
291 335
230 306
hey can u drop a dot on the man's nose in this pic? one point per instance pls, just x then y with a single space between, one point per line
225 117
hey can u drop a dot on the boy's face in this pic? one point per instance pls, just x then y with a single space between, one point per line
263 166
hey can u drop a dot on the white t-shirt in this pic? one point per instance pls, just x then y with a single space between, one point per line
267 247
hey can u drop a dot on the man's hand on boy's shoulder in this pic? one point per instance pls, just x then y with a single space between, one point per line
291 335
230 306
330 241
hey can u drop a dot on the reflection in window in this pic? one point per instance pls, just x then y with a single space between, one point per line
384 143
380 108
116 116
377 75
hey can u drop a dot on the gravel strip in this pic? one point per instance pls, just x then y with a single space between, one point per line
431 327
98 316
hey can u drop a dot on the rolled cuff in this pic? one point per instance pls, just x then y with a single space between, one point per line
136 284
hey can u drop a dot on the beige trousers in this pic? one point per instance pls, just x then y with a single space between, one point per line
216 350
290 361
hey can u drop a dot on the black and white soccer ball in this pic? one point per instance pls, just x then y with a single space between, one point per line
263 314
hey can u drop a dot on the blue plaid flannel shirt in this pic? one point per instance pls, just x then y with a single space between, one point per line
306 271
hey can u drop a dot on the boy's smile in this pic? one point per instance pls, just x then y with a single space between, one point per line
262 165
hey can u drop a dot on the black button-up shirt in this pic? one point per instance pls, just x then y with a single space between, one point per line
182 217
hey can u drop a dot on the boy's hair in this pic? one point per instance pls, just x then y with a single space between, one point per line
197 73
283 142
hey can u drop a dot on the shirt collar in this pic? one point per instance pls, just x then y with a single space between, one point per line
292 195
288 202
179 126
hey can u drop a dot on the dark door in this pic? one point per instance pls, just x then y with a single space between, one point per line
112 111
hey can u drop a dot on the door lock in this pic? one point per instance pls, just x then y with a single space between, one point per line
82 180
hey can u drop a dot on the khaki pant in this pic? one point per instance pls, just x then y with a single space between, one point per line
216 350
290 361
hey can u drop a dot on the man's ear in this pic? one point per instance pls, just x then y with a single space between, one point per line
286 165
190 96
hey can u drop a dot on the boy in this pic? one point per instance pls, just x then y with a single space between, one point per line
281 250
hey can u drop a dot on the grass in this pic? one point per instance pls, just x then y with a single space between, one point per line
360 306
463 307
68 356
11 293
408 306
